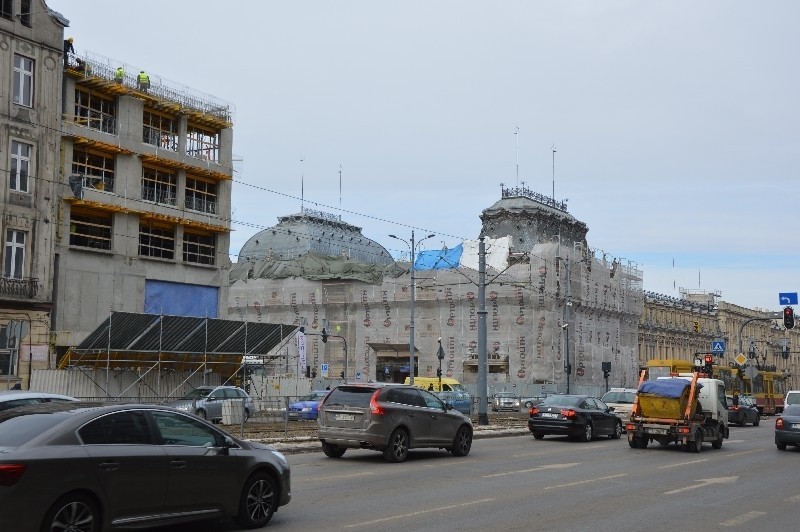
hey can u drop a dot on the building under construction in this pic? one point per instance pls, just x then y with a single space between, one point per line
553 304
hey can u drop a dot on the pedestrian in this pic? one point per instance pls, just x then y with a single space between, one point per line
143 81
16 386
430 387
119 75
68 49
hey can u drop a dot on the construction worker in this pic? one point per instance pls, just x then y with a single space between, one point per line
68 49
143 81
119 75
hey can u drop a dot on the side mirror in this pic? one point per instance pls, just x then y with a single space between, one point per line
448 405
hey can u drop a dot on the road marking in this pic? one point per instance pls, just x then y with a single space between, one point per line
702 483
740 520
743 452
540 468
351 475
585 481
420 512
684 463
796 498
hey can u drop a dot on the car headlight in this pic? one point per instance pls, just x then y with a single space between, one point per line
281 458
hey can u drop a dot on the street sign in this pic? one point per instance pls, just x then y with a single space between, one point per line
787 298
718 346
740 359
751 372
358 375
324 369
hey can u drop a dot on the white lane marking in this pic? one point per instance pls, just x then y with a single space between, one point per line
351 475
420 512
540 468
702 483
741 519
585 481
796 498
743 452
684 463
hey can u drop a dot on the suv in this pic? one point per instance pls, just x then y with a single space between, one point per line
390 418
622 400
206 401
792 398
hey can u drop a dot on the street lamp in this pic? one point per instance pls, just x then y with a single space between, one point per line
412 247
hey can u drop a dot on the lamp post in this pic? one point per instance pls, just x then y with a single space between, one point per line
412 247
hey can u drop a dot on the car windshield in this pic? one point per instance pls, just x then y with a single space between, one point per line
198 393
793 398
350 396
19 430
619 397
504 394
562 400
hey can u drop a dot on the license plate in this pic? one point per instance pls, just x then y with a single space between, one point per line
546 414
657 431
344 417
796 425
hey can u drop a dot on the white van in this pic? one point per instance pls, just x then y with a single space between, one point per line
792 398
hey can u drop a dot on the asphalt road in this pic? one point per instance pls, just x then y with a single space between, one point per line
518 483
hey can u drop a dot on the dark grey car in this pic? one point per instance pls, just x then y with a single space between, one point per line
89 467
390 418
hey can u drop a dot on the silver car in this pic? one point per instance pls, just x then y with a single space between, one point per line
206 401
390 418
15 398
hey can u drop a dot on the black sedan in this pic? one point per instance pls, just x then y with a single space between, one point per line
787 427
574 415
742 411
90 467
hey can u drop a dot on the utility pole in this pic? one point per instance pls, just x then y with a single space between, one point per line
565 325
483 418
411 328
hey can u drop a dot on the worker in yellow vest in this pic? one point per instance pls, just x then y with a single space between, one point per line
119 75
143 81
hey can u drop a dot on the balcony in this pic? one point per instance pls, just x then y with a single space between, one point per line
22 287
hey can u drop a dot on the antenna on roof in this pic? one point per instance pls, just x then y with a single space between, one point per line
340 187
554 171
301 185
516 138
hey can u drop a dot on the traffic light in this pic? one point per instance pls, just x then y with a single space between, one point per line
697 326
308 372
785 352
788 317
606 369
438 372
324 336
568 369
341 374
709 364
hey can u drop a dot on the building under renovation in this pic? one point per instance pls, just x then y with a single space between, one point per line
552 302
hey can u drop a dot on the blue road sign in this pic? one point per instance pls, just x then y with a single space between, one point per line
787 298
718 346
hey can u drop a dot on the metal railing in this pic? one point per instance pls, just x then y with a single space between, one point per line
19 286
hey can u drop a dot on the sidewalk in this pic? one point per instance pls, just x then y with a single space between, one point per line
311 444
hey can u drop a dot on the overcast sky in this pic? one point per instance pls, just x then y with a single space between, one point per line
676 124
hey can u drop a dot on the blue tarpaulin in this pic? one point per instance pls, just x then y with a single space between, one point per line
666 387
178 299
441 259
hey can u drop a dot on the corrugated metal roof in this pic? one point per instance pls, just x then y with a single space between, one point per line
155 333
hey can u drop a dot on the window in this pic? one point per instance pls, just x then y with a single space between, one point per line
156 240
160 130
202 143
14 261
20 166
159 186
25 12
96 168
198 248
23 80
177 429
90 229
95 111
5 9
121 428
201 195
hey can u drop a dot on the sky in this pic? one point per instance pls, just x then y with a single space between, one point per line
671 128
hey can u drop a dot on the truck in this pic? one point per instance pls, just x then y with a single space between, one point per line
685 409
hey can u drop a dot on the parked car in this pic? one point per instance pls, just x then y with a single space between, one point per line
307 407
787 427
792 398
15 398
461 401
390 418
574 415
745 411
621 400
89 466
533 400
505 402
206 401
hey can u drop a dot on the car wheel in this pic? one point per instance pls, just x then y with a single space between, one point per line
463 442
717 444
757 421
333 451
697 445
75 512
246 414
742 422
643 442
587 432
258 502
538 435
397 450
201 413
633 443
781 446
617 434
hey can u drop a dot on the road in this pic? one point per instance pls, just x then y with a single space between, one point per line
518 483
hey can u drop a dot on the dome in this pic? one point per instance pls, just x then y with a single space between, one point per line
317 232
